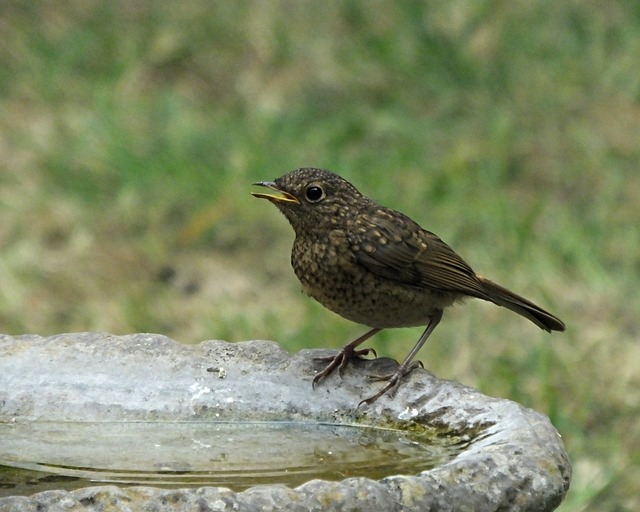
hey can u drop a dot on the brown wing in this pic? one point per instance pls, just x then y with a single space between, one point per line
393 246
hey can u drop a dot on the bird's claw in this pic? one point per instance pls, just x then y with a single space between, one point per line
340 361
394 380
355 353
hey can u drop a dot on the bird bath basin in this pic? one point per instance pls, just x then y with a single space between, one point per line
52 455
140 419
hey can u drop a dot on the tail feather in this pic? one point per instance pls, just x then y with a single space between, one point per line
506 298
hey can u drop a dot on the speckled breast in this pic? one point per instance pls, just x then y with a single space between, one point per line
329 273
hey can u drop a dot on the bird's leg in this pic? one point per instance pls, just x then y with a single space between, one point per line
341 359
407 366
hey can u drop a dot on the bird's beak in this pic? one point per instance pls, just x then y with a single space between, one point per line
281 196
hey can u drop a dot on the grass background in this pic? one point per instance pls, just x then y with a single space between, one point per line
130 132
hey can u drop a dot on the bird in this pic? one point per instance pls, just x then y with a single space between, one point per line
377 267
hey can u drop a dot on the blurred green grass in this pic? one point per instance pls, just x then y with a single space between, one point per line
130 133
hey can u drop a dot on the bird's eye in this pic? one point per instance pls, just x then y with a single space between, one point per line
314 194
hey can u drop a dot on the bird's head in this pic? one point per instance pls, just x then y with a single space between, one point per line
312 199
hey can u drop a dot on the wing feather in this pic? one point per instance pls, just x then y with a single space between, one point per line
393 246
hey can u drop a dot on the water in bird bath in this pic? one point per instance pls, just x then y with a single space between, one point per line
69 455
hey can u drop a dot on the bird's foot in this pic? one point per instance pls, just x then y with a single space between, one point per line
394 379
349 355
340 361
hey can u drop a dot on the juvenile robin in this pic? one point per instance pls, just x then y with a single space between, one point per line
377 267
